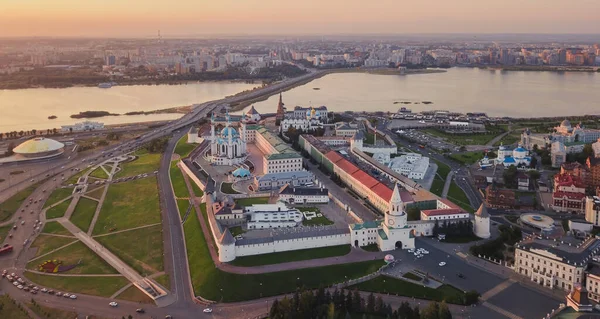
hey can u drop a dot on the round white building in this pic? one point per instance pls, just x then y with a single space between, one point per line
39 147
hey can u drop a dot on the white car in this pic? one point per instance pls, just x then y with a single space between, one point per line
442 263
113 304
20 286
44 290
207 310
411 251
73 297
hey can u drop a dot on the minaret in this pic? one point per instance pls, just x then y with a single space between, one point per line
213 141
243 134
280 110
395 216
229 137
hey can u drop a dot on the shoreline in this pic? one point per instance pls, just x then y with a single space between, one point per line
535 68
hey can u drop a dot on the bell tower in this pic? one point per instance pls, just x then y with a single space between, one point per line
395 217
280 109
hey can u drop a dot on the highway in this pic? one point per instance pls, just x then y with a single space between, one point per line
175 256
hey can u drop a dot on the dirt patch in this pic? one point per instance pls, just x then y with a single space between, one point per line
175 157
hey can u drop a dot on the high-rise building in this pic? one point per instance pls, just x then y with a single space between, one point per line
110 60
562 56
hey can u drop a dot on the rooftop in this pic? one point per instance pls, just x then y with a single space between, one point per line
315 191
567 249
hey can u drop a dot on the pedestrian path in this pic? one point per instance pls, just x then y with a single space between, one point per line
501 311
496 290
447 184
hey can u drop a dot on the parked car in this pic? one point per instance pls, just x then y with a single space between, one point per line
113 304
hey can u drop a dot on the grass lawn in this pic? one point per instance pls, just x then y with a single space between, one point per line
317 221
236 230
128 205
87 261
99 173
468 157
463 139
146 256
371 248
288 256
412 276
197 190
458 196
96 193
58 210
50 313
509 139
179 187
134 294
96 286
251 201
47 243
183 148
73 179
145 163
55 228
84 213
4 230
384 284
443 169
58 195
214 284
11 205
437 186
10 309
183 205
227 188
163 280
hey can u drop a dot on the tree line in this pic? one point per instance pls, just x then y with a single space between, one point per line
342 304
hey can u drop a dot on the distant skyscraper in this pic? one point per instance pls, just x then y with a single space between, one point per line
505 58
562 56
110 60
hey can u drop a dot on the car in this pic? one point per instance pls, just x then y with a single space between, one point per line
66 295
73 297
168 317
51 292
20 286
44 290
207 310
22 222
58 294
442 264
113 304
33 292
411 251
16 283
140 310
459 275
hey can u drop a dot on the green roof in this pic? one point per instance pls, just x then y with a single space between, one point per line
283 156
366 225
382 234
574 143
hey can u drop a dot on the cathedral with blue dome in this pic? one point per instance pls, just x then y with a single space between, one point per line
228 147
509 157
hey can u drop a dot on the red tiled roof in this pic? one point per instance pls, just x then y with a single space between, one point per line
382 191
346 166
568 195
406 197
449 203
364 178
333 156
437 212
568 180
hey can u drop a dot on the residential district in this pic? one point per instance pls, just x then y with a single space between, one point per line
230 214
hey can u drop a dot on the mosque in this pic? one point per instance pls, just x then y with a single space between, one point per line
228 147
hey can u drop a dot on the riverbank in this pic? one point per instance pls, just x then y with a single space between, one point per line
537 68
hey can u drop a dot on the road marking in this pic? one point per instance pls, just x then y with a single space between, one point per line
496 290
501 311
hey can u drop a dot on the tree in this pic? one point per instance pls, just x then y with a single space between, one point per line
510 177
471 297
444 311
274 312
533 174
370 306
413 213
533 163
432 311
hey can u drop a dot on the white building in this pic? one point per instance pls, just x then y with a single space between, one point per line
391 233
509 157
194 136
272 216
253 115
592 210
481 224
344 129
273 181
304 118
558 154
412 165
83 126
228 147
303 195
555 264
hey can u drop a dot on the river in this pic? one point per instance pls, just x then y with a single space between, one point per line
28 109
495 92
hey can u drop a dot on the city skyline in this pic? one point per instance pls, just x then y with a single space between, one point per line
66 18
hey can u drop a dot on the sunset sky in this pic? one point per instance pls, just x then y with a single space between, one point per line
142 18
